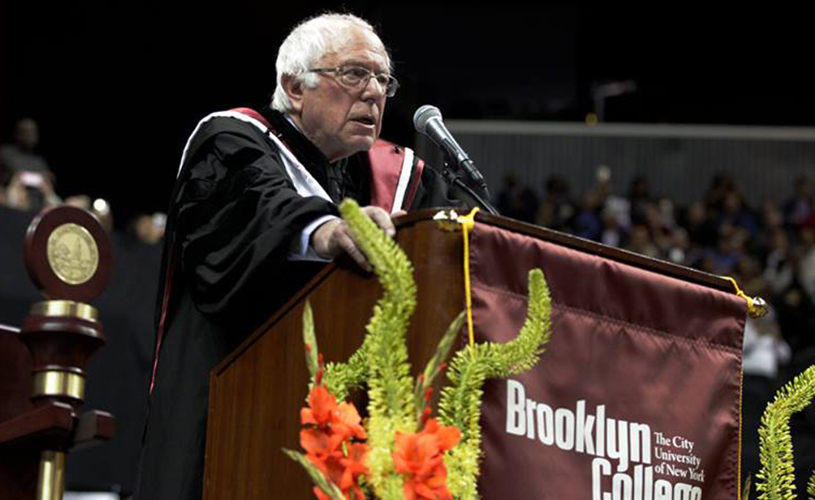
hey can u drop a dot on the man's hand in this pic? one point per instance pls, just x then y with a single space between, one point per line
334 237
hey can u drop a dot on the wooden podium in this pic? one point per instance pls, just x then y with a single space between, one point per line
257 392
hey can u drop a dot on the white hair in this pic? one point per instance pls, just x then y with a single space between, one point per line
307 43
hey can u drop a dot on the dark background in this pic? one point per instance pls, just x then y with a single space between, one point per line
118 86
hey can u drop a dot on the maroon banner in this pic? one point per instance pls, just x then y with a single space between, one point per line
638 395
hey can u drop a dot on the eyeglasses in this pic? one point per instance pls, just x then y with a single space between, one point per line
356 77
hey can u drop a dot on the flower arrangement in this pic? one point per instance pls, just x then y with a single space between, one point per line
400 451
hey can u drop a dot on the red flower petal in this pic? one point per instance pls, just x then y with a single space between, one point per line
307 416
315 441
322 405
320 494
347 415
448 437
418 456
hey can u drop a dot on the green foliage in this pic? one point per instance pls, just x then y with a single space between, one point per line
310 341
460 403
811 487
342 378
393 310
745 489
434 365
390 405
777 475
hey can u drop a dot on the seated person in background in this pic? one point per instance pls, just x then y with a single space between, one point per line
149 229
99 207
30 191
253 217
25 173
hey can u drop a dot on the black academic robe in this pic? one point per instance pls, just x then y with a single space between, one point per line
233 217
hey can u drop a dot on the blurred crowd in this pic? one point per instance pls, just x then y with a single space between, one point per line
768 247
27 183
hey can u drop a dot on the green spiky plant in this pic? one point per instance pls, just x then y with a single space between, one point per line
776 480
396 401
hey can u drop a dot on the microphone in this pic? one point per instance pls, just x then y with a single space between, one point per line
427 120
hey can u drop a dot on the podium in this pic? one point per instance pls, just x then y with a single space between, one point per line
257 391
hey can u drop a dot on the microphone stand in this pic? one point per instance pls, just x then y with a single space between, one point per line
469 195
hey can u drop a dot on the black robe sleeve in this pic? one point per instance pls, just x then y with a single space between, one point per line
238 216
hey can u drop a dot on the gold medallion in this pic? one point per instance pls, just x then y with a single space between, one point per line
72 254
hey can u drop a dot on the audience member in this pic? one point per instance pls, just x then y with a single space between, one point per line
640 198
30 191
28 181
98 207
557 209
517 201
21 155
806 263
800 209
149 229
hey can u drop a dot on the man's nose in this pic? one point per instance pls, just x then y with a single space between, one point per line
373 89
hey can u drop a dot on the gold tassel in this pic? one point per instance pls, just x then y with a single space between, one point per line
756 306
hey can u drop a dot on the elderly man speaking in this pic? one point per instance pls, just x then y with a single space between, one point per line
253 217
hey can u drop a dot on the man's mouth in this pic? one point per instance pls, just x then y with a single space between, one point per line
365 120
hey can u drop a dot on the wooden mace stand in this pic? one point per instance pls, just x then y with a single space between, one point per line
68 258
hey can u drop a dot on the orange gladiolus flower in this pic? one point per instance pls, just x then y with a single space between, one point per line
324 412
321 405
346 419
328 444
418 456
343 470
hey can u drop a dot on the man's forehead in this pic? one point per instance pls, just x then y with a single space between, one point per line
362 47
365 58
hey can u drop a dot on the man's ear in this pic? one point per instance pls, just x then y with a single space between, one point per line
293 87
